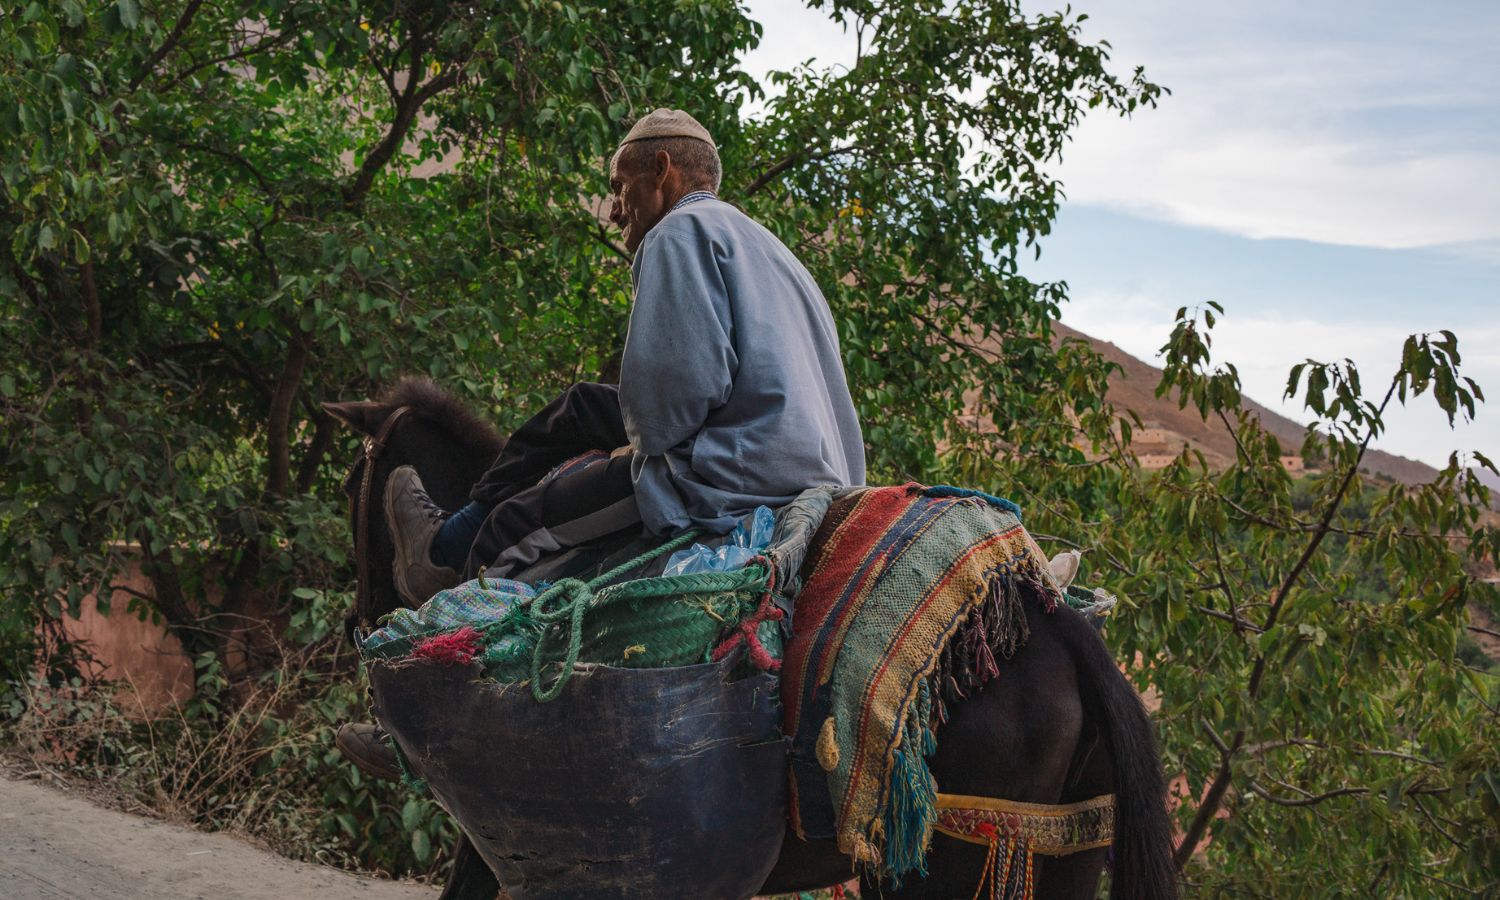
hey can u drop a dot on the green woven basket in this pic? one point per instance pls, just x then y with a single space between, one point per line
651 633
677 629
673 620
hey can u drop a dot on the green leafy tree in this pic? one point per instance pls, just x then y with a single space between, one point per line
212 222
216 218
1302 639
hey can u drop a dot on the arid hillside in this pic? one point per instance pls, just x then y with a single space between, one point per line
1134 389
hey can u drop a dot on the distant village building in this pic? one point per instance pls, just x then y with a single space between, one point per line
1293 464
1152 462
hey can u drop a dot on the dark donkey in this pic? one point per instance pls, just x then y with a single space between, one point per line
1060 725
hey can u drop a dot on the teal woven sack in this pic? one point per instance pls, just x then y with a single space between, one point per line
476 603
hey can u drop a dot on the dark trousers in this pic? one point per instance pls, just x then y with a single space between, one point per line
543 506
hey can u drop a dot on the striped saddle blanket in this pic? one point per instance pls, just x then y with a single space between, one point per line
910 595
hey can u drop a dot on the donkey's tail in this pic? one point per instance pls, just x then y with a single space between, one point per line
1142 850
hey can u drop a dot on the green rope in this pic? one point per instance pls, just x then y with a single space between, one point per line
409 775
682 540
557 613
578 597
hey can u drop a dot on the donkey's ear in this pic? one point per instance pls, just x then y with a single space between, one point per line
363 416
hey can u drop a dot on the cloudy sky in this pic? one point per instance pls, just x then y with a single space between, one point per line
1328 171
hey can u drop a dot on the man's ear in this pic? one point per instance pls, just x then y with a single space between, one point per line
663 166
363 416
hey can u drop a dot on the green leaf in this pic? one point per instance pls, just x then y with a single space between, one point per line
421 846
41 553
347 823
129 12
74 11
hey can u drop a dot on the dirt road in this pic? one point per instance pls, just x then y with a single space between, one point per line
58 845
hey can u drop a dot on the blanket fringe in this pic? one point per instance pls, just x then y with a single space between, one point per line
912 808
994 629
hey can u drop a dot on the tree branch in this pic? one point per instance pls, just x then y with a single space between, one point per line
1311 799
1295 524
127 589
278 419
261 46
386 75
602 237
1417 802
1237 622
1216 791
1234 606
174 37
1263 746
794 159
1288 583
408 104
1212 800
260 179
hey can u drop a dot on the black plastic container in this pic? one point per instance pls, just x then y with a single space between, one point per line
634 783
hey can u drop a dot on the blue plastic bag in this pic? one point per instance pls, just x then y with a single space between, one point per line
742 546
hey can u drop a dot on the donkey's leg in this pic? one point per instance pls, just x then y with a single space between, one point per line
471 878
1077 874
807 866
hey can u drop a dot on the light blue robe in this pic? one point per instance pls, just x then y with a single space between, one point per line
731 383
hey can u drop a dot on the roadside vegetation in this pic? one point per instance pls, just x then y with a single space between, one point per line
217 215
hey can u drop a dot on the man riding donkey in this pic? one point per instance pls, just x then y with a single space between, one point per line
732 396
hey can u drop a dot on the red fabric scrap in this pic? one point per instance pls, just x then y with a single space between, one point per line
456 648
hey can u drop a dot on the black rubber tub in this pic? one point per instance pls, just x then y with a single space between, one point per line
634 783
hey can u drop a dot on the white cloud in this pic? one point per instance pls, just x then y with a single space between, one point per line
1282 125
1266 184
1357 122
1344 122
794 34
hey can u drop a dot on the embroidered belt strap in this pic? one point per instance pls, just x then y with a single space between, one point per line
1047 829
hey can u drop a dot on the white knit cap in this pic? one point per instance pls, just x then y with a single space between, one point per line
668 123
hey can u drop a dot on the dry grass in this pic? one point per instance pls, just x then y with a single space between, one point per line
241 756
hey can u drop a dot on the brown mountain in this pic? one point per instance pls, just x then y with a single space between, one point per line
1134 389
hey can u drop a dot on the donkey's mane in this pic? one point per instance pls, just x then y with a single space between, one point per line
438 405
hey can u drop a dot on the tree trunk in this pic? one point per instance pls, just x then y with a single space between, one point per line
279 418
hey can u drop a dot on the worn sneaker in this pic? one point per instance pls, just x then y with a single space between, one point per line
369 748
414 521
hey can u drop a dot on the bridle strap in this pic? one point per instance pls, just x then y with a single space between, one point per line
373 447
